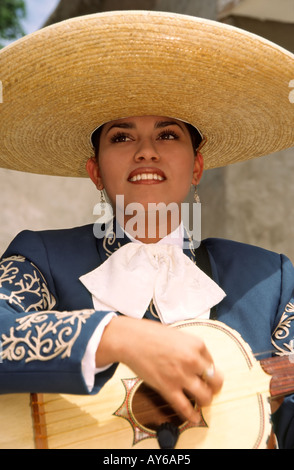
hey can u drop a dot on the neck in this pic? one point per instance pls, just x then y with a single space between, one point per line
150 227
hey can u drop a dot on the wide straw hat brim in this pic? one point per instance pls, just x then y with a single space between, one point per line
63 81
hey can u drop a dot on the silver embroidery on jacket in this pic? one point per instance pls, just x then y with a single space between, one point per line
46 335
42 334
27 291
282 332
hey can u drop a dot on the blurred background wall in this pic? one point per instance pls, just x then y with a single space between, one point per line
249 202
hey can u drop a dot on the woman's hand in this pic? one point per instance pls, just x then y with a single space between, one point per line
167 359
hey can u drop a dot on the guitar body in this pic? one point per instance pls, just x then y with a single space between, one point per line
124 416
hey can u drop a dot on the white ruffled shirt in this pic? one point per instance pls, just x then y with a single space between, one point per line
137 273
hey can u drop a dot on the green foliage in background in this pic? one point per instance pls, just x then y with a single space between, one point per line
11 12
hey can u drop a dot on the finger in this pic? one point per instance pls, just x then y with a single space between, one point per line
199 391
208 373
212 377
185 408
205 368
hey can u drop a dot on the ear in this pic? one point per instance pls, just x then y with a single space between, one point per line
198 168
94 172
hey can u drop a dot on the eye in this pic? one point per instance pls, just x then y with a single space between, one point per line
168 134
120 137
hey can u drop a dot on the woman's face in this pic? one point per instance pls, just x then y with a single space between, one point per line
147 159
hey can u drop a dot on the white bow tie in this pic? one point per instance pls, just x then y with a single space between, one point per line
137 273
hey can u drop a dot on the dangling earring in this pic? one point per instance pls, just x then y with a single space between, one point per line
103 209
102 197
196 196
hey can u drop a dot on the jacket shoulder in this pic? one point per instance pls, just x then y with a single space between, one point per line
29 242
227 249
239 268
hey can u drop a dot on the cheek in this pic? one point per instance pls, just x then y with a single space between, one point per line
112 177
185 172
184 167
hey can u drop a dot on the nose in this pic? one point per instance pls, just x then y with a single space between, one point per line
146 151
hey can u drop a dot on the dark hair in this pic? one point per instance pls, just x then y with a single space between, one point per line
95 139
195 135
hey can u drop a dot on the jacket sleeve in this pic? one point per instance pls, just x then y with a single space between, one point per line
283 344
41 347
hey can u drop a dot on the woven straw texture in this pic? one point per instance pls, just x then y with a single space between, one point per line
63 81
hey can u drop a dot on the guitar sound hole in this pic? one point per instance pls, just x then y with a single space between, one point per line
151 410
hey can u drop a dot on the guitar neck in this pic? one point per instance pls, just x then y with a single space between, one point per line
281 368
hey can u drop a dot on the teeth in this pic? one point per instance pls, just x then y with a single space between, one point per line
147 176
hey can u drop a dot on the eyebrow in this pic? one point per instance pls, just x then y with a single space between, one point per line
131 125
161 124
122 125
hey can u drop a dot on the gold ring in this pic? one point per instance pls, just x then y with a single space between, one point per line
208 373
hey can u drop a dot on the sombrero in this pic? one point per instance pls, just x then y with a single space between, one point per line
63 81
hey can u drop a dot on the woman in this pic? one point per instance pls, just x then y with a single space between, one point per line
158 146
98 290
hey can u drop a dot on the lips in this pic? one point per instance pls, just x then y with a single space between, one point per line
146 176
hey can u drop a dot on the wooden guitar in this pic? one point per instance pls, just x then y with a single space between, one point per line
126 413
